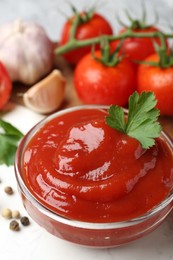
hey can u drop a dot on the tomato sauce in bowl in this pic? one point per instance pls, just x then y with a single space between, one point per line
93 177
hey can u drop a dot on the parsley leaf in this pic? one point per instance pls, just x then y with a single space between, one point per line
116 119
142 120
9 138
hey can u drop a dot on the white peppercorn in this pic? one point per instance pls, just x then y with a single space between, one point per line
15 214
6 213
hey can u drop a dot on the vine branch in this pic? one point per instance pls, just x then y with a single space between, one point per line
75 44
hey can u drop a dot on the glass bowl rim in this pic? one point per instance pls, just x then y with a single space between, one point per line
72 222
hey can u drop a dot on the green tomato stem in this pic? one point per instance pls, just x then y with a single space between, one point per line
75 44
74 27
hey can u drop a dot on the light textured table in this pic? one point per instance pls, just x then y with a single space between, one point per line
34 243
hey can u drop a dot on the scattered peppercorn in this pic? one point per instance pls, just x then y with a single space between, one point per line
8 190
14 225
15 214
25 221
6 213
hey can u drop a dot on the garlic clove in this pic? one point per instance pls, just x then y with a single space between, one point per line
47 95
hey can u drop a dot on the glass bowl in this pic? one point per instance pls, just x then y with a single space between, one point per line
87 233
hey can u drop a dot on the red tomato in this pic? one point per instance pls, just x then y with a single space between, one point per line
94 27
138 48
96 83
5 86
158 80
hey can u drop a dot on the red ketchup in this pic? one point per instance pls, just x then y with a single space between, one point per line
80 168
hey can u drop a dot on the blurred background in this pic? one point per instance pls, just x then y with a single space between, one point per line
51 14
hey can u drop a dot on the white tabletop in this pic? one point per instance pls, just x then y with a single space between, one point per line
32 242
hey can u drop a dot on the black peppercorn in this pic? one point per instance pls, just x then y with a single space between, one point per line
14 225
25 221
8 190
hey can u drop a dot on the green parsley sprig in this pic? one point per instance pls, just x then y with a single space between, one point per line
142 119
9 139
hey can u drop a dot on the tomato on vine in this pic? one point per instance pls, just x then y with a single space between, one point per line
104 82
137 49
156 74
89 25
5 86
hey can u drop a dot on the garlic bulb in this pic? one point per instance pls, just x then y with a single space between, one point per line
26 51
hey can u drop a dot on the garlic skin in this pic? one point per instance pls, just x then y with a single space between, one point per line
26 51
